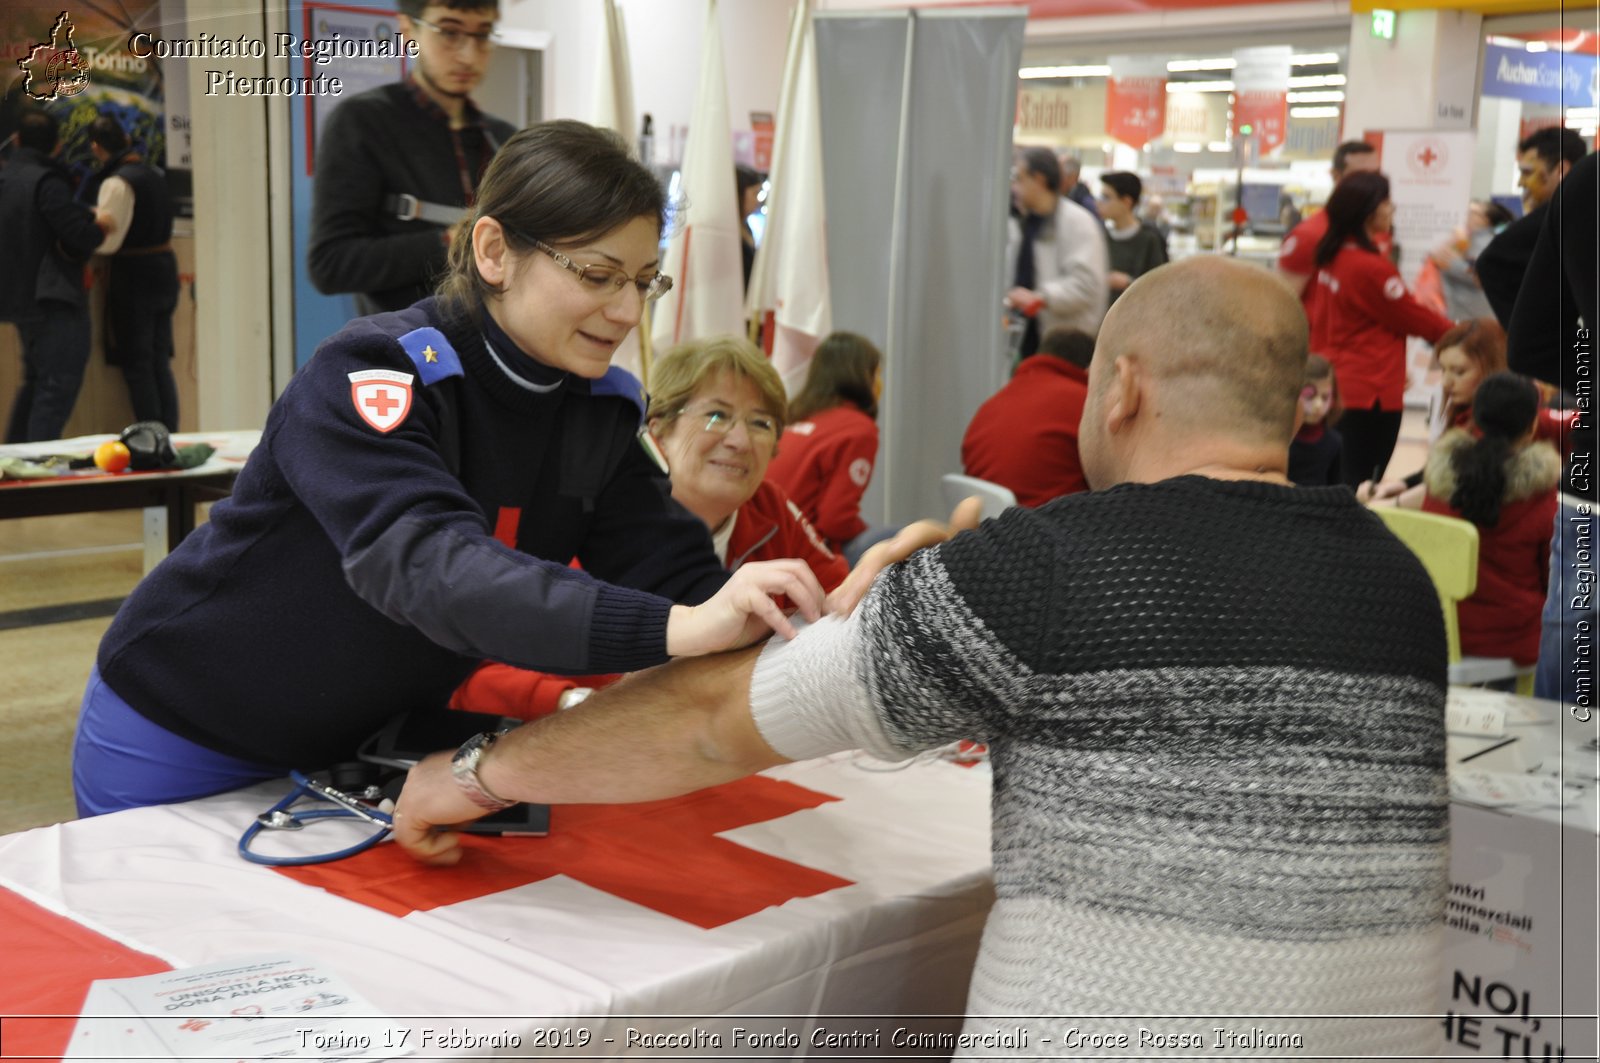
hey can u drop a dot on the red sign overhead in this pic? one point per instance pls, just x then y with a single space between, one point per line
1266 113
1136 108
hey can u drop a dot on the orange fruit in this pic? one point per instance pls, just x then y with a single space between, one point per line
112 455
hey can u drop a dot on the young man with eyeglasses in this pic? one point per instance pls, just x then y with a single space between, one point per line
396 166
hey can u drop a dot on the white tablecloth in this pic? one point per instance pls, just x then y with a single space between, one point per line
897 936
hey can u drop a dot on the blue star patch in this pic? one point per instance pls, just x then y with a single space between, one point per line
434 357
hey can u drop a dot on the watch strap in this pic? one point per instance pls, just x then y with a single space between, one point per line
464 768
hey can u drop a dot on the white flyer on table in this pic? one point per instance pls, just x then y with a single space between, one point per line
258 1007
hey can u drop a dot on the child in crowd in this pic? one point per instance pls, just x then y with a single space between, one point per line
831 444
1314 452
1505 481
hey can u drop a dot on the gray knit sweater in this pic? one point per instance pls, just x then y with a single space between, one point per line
1215 713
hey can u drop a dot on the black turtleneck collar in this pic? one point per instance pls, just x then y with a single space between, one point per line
506 372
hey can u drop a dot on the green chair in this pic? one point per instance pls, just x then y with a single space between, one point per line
1448 549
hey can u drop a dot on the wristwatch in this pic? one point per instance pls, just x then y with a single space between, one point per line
464 767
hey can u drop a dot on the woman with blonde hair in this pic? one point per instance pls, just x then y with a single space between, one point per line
717 410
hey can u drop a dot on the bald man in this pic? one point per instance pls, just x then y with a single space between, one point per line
1214 704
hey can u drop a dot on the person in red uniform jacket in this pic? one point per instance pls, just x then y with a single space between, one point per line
1504 481
1025 436
716 410
1367 316
1297 257
826 460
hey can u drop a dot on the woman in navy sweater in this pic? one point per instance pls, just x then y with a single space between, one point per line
418 493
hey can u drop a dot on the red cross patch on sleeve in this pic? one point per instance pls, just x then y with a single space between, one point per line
382 396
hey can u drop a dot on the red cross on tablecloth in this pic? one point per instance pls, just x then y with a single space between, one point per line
45 965
664 855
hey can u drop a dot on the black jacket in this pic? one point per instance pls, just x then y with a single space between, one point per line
1504 263
47 236
1561 285
374 147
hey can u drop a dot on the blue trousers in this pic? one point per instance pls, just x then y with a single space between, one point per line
1567 626
55 352
122 760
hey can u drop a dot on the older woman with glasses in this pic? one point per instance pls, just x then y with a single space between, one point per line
717 410
419 491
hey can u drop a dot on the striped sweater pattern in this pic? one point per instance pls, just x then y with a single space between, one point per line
1215 713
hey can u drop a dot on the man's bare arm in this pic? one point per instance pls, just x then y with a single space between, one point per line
669 730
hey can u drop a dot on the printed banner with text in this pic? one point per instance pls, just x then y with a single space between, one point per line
1261 95
1136 99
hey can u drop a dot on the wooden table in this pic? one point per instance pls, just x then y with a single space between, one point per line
168 497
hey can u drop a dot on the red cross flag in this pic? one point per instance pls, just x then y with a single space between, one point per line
382 396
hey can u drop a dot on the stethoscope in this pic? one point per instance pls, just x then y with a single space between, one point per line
280 817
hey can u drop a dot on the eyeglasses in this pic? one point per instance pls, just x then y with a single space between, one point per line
607 281
719 421
453 38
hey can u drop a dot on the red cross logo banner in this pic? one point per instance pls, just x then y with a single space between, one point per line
1428 157
662 855
381 396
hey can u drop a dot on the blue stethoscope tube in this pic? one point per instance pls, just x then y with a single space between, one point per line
279 817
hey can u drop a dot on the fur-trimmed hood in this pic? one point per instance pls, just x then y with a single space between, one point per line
1533 470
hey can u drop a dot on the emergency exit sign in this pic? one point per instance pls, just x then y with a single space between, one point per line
1383 24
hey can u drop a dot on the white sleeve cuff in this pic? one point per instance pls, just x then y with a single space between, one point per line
809 695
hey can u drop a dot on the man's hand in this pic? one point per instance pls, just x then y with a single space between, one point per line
430 800
744 610
1118 280
1025 301
911 538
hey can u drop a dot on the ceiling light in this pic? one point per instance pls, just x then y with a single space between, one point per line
1219 145
1328 96
1315 81
1064 72
1313 112
1199 86
1187 147
1184 66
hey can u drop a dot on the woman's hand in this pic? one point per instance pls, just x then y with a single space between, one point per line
743 610
1369 492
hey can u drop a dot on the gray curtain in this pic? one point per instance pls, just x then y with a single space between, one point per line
917 110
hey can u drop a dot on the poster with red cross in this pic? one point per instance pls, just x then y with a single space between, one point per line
381 396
